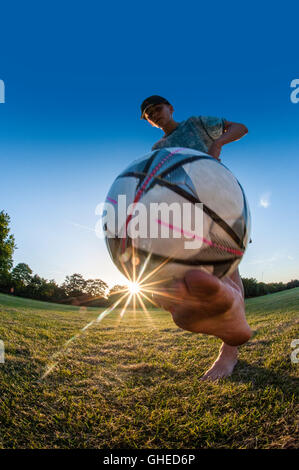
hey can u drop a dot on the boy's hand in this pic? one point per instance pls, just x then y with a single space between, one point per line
215 150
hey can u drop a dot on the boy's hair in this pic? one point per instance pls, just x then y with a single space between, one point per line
150 101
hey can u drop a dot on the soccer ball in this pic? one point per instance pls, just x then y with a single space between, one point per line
173 210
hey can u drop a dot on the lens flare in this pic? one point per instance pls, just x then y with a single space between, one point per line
134 288
137 290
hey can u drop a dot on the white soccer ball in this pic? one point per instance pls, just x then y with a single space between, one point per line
173 210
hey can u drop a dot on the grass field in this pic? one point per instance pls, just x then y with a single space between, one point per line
134 383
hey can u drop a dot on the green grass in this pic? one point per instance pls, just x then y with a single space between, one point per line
135 383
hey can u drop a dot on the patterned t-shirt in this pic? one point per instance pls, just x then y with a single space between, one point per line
197 132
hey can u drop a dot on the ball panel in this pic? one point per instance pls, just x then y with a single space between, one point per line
218 188
161 266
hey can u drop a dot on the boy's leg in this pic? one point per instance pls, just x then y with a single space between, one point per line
228 355
202 303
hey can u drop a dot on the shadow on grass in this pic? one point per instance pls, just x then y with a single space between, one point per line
260 377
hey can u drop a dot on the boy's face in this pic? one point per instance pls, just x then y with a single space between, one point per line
159 115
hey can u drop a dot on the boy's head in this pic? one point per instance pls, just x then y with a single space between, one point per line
156 110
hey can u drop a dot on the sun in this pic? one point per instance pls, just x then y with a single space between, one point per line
137 291
134 287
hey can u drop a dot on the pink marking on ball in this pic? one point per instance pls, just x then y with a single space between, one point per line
197 237
139 193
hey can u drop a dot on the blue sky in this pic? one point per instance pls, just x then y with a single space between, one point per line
75 75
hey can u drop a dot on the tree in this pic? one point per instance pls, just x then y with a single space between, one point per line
96 293
251 287
96 288
21 274
7 245
36 285
74 285
116 292
118 289
55 292
293 283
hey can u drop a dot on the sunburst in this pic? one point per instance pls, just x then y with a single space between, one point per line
135 293
134 287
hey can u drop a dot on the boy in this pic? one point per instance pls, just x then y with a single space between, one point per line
206 304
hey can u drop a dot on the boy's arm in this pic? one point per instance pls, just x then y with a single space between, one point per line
232 131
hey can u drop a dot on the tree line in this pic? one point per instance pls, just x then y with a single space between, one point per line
21 281
75 290
253 288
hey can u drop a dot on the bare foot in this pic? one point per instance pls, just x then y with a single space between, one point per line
224 364
202 303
